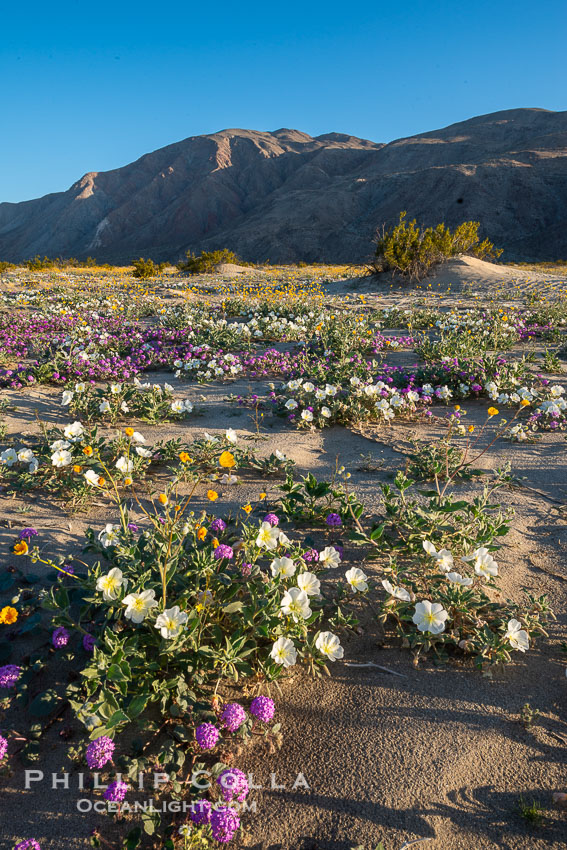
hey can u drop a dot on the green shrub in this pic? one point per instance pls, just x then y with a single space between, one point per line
147 268
5 266
412 251
207 261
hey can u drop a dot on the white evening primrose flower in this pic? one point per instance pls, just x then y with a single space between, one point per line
171 622
325 412
61 458
291 404
308 387
141 452
74 431
443 556
188 406
280 455
109 535
124 407
177 406
329 557
59 444
138 438
328 644
307 416
228 478
115 388
430 617
104 406
396 592
92 478
309 583
25 455
210 439
67 397
9 457
484 563
518 637
111 584
124 465
284 652
357 579
295 604
139 605
268 537
231 435
457 578
283 567
80 387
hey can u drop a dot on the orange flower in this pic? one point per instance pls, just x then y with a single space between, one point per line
20 548
215 543
493 411
129 432
8 615
263 495
524 403
184 457
162 499
212 495
88 450
128 482
247 508
226 460
202 533
77 468
101 481
470 429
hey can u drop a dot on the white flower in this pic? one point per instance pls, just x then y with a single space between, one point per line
443 557
330 389
326 412
138 438
9 457
268 537
396 592
295 603
280 455
308 387
171 622
231 435
283 567
92 478
328 644
177 406
67 397
26 455
309 583
104 406
74 431
430 617
329 557
457 578
109 535
80 387
484 563
357 579
124 465
138 605
307 416
115 388
59 444
291 404
283 652
210 439
124 407
518 637
61 458
111 584
228 478
141 452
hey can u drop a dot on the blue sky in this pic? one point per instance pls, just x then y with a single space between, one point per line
90 87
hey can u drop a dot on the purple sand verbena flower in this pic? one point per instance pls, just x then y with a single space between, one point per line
28 844
246 569
200 812
60 637
9 675
27 533
333 520
207 735
224 823
217 526
233 784
272 519
233 716
89 642
116 792
263 708
223 551
311 555
99 752
3 747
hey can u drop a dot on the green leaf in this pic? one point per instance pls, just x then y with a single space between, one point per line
44 703
137 705
233 607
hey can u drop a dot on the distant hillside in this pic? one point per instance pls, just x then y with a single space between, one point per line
286 196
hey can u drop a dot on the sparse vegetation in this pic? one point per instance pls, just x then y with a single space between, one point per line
412 251
207 261
147 268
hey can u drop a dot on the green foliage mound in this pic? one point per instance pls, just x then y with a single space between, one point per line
207 261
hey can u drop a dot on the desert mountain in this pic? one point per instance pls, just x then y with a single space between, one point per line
286 196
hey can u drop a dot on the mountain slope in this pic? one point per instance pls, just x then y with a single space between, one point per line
287 196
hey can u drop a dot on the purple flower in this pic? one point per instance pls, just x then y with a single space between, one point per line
3 747
223 551
132 527
263 708
334 520
200 812
311 555
60 637
246 569
89 642
272 519
224 823
116 792
27 533
217 526
99 752
233 716
9 675
207 735
233 785
28 844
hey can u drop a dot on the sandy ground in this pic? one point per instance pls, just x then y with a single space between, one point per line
433 753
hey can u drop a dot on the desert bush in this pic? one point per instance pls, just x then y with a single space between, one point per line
6 266
412 251
147 268
206 261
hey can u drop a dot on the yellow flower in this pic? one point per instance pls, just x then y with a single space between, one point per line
202 533
492 411
8 615
470 429
247 508
226 460
162 499
263 495
101 481
20 548
457 407
215 543
88 450
212 495
184 457
129 432
77 468
524 403
199 607
128 482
